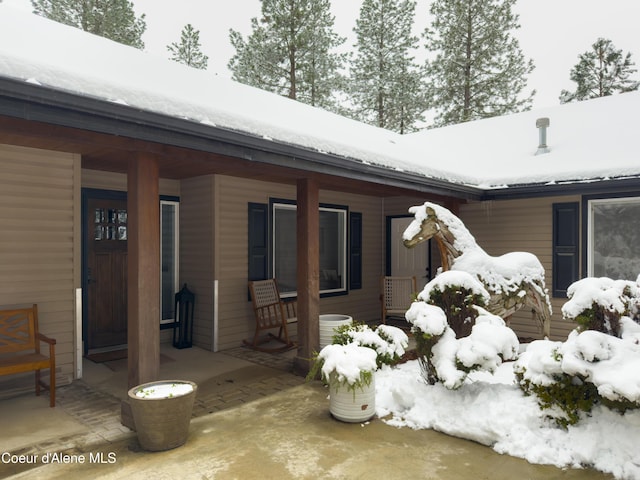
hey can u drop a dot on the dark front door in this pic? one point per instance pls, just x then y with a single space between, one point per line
106 273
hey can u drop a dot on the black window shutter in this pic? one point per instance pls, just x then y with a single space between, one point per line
355 251
258 241
565 246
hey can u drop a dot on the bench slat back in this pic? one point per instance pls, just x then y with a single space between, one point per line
18 329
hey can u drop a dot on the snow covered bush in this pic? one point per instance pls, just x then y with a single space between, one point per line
479 341
387 341
539 372
356 352
598 363
457 294
600 303
349 365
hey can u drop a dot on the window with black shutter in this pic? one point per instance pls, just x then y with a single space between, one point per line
566 250
258 229
332 235
355 250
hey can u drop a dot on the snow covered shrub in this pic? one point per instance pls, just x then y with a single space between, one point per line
539 372
479 341
456 293
599 303
429 327
348 365
590 368
387 341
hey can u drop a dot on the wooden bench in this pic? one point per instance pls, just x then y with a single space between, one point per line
20 348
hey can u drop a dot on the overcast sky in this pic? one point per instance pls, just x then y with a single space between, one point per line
553 32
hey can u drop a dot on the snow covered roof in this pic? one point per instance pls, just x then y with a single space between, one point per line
590 140
585 143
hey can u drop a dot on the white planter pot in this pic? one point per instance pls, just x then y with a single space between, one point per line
352 405
328 324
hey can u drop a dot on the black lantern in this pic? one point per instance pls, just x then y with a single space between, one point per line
183 325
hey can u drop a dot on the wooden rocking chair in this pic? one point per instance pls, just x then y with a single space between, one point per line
270 313
396 296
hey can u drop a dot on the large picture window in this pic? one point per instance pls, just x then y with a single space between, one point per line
333 248
614 238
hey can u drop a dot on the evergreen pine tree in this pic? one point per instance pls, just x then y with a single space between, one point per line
386 87
290 52
600 72
188 50
113 19
479 70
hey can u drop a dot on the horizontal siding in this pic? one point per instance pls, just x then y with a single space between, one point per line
396 206
520 225
39 243
236 319
196 253
234 310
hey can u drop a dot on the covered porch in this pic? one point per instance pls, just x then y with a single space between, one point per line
145 151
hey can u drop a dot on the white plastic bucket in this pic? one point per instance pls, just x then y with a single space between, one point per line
328 323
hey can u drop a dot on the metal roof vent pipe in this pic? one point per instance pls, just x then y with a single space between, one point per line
542 124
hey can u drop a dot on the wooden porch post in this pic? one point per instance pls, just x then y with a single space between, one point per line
308 272
143 270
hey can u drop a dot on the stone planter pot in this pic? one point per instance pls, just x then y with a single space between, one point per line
352 404
328 324
162 412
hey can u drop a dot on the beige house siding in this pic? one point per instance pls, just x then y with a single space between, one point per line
520 225
235 317
213 225
40 247
397 206
197 252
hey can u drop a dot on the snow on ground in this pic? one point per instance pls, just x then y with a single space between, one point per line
492 410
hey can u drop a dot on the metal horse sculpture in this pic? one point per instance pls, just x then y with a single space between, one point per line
514 280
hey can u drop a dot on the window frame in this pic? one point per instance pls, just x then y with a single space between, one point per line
589 233
164 200
275 203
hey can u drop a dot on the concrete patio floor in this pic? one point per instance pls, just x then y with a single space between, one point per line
253 419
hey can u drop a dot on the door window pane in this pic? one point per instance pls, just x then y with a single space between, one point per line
110 224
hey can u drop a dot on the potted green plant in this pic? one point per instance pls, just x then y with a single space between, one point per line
348 366
348 370
162 412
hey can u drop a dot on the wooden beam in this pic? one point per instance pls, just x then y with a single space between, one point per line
308 272
143 269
